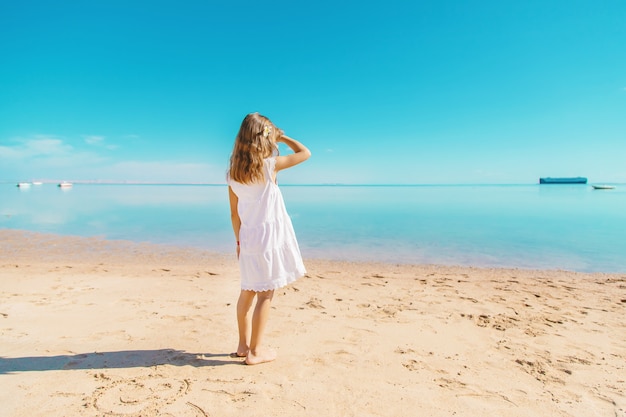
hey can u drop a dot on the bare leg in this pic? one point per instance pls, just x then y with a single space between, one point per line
258 353
243 307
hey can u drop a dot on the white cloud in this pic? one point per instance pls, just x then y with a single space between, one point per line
7 152
43 156
37 146
93 140
50 157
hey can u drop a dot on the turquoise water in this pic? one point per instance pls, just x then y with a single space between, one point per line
551 227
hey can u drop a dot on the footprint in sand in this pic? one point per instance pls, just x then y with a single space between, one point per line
450 383
315 303
542 370
413 365
498 322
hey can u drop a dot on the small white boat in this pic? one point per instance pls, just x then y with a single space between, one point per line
37 182
65 184
23 184
603 187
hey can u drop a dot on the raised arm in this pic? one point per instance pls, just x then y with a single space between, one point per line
301 153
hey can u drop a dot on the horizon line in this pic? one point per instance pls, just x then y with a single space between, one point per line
128 182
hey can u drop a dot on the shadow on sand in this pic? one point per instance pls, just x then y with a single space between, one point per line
108 360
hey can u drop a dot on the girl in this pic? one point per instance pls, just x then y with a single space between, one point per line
268 253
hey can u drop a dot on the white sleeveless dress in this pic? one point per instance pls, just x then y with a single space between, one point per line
269 256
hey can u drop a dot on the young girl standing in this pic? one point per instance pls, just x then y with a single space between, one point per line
269 257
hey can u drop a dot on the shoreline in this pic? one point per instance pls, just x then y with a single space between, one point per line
92 327
18 242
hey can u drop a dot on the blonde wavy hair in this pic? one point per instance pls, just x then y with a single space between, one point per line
255 141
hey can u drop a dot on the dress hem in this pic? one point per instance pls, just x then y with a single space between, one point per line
273 285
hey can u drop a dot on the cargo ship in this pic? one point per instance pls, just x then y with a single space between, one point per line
572 180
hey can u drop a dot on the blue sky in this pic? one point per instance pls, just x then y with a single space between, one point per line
382 92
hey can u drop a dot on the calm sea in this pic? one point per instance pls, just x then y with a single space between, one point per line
570 227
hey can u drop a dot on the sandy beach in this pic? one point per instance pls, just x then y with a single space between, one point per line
90 327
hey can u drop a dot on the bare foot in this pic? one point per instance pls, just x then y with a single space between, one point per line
242 352
260 356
